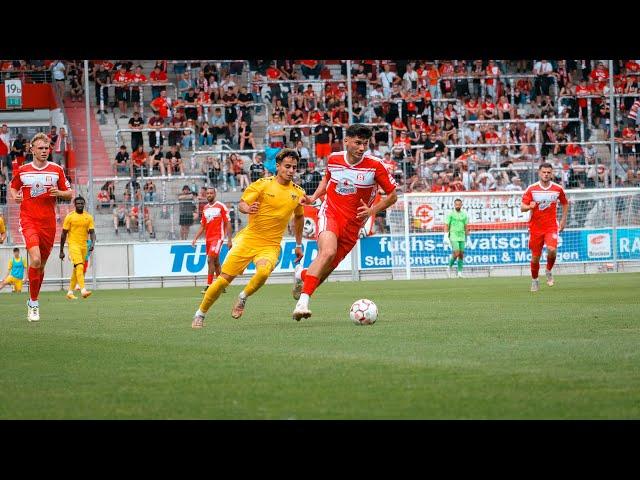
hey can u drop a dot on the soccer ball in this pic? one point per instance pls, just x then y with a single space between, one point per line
363 312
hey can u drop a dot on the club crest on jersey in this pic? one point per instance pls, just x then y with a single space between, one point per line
345 187
360 177
294 197
37 189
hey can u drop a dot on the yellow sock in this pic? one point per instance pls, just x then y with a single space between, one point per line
80 275
213 292
258 279
72 286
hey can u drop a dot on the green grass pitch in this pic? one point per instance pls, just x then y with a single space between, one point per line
482 348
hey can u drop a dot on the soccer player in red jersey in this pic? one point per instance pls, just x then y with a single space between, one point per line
215 224
36 187
350 184
541 199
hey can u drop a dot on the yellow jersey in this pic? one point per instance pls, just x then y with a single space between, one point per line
78 226
277 204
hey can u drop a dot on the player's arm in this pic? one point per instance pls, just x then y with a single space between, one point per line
227 232
527 202
63 239
298 226
320 191
198 233
15 189
92 237
249 203
565 211
62 189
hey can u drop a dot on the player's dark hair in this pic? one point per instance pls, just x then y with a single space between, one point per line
358 130
287 152
16 250
457 200
211 187
79 197
545 165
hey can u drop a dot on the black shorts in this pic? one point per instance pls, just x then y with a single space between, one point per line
135 96
122 94
121 222
186 220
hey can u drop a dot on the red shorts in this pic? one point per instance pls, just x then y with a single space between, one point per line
537 239
40 236
347 233
323 150
213 247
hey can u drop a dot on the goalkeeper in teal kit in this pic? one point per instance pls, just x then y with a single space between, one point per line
456 229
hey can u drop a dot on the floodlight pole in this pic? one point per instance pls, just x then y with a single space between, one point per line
87 110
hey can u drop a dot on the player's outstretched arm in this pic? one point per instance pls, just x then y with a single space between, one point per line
198 233
320 191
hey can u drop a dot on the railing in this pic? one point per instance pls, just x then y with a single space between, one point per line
163 129
206 106
131 86
27 76
222 180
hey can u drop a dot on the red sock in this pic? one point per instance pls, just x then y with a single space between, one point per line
303 274
550 262
310 284
209 279
535 267
35 280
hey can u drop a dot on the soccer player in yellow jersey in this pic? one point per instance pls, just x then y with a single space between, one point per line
16 274
77 226
269 202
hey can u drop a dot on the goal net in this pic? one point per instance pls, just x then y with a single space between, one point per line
602 233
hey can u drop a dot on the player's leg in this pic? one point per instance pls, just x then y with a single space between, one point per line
78 255
6 281
551 241
327 249
460 254
265 262
17 285
72 282
235 263
35 262
535 245
452 260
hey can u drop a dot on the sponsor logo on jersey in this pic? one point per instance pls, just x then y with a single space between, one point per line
37 189
345 187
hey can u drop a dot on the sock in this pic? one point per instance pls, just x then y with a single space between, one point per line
304 299
259 278
200 312
80 274
303 274
550 262
34 283
535 267
310 284
452 261
242 295
209 279
74 281
460 264
213 292
70 292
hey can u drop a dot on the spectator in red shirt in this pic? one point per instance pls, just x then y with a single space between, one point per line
157 76
310 68
160 105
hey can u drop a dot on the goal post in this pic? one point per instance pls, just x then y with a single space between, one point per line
602 233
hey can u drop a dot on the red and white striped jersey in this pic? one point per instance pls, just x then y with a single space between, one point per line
348 184
35 183
213 218
544 215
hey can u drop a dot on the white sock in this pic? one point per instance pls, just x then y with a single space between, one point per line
84 290
298 272
243 295
200 313
33 303
70 292
303 301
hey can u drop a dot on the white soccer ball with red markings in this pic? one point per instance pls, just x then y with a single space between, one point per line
363 312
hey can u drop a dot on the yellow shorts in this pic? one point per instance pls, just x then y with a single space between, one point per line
17 283
245 251
77 254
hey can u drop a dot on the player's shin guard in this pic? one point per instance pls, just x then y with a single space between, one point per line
35 282
213 292
79 269
310 284
535 268
258 279
303 274
452 260
551 260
